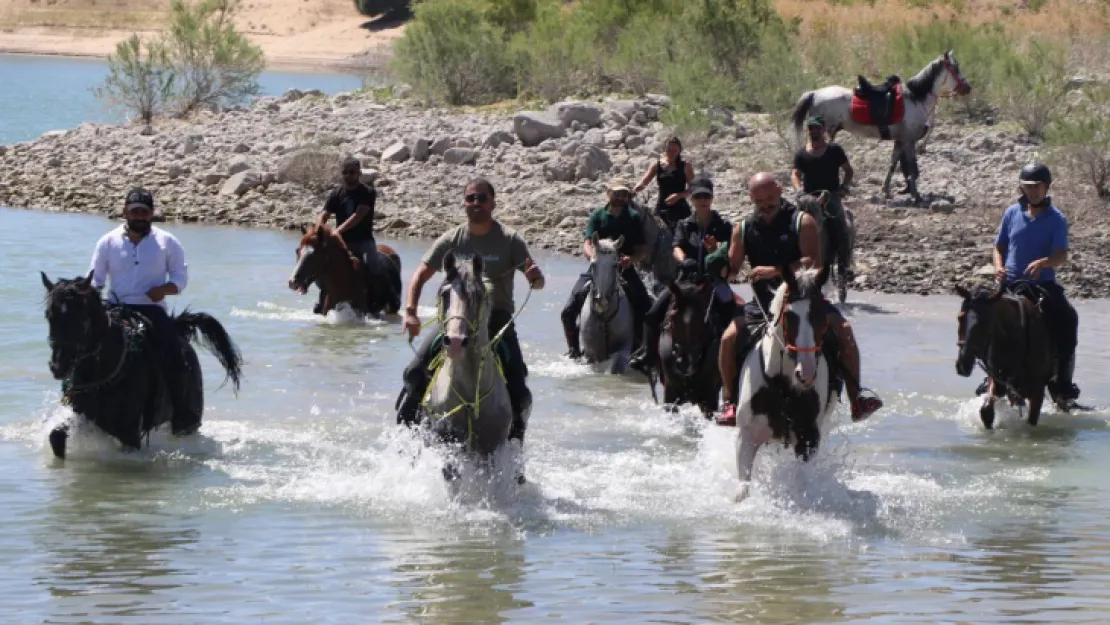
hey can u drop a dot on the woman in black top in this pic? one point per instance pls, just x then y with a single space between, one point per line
673 174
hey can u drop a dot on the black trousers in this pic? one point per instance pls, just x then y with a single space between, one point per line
634 288
1063 321
168 342
417 376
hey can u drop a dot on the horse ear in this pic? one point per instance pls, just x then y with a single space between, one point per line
477 263
962 291
449 267
788 277
46 282
304 229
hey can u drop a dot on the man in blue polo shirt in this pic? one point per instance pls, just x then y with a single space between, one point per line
1032 242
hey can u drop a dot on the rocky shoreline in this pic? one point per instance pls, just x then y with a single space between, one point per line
268 165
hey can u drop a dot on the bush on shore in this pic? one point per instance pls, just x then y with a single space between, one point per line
200 61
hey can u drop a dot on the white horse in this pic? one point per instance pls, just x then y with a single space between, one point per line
784 381
834 104
605 323
468 400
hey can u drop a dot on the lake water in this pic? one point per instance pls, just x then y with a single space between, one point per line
300 500
39 93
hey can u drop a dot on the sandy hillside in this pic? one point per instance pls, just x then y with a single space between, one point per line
293 33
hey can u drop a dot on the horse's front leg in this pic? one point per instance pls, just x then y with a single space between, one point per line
1036 401
912 174
753 435
986 411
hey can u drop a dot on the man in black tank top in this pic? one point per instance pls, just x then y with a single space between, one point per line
817 168
777 234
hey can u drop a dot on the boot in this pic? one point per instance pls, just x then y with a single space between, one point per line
574 351
1066 390
645 359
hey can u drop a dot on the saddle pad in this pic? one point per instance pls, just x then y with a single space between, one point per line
870 112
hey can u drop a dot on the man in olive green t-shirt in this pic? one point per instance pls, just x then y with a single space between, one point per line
612 221
504 252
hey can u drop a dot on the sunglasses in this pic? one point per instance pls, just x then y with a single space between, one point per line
622 194
350 172
476 198
139 210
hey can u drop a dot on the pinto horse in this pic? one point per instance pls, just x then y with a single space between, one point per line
1008 336
109 367
324 258
784 382
834 104
688 349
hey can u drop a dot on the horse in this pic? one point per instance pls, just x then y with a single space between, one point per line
688 349
834 104
110 369
784 380
468 401
815 206
605 324
1010 339
323 258
659 262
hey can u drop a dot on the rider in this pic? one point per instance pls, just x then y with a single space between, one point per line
817 168
1032 242
696 238
612 221
775 235
672 174
144 265
352 203
503 251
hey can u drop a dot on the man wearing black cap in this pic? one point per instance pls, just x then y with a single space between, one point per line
352 203
817 168
144 264
696 237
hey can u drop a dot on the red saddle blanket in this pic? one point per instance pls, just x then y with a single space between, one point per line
875 109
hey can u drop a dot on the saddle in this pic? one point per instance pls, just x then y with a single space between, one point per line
880 106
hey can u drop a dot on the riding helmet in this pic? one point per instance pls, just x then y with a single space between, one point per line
1034 173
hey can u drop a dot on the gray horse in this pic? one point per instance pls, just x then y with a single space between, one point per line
468 399
605 323
815 205
659 264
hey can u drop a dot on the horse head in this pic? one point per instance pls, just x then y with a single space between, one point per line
463 307
800 312
690 328
942 74
605 273
974 323
77 322
319 249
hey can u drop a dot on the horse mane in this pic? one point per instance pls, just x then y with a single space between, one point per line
314 231
921 85
807 285
65 289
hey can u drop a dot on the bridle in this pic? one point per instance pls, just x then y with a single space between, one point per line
597 297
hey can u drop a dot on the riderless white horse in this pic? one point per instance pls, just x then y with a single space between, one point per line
605 323
834 104
784 381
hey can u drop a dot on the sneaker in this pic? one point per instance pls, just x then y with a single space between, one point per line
865 405
727 417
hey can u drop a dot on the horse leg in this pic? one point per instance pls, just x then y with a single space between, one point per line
1036 400
58 438
911 178
753 435
986 411
895 158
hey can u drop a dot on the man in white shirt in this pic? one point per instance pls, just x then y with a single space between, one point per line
143 265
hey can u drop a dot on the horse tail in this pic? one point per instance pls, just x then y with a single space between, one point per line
196 326
801 110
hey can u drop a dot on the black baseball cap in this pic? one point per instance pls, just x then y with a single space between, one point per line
139 197
701 186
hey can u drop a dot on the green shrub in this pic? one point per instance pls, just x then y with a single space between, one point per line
1080 140
450 52
140 78
1030 85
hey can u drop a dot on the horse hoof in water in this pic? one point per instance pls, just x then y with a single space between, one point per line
451 473
986 414
58 437
742 492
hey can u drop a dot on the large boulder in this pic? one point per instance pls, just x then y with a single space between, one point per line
441 144
584 113
590 162
460 156
419 150
559 169
396 153
240 183
534 127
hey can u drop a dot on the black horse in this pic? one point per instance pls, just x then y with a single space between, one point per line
688 349
107 360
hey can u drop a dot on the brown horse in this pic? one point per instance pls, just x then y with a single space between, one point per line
324 259
1008 336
